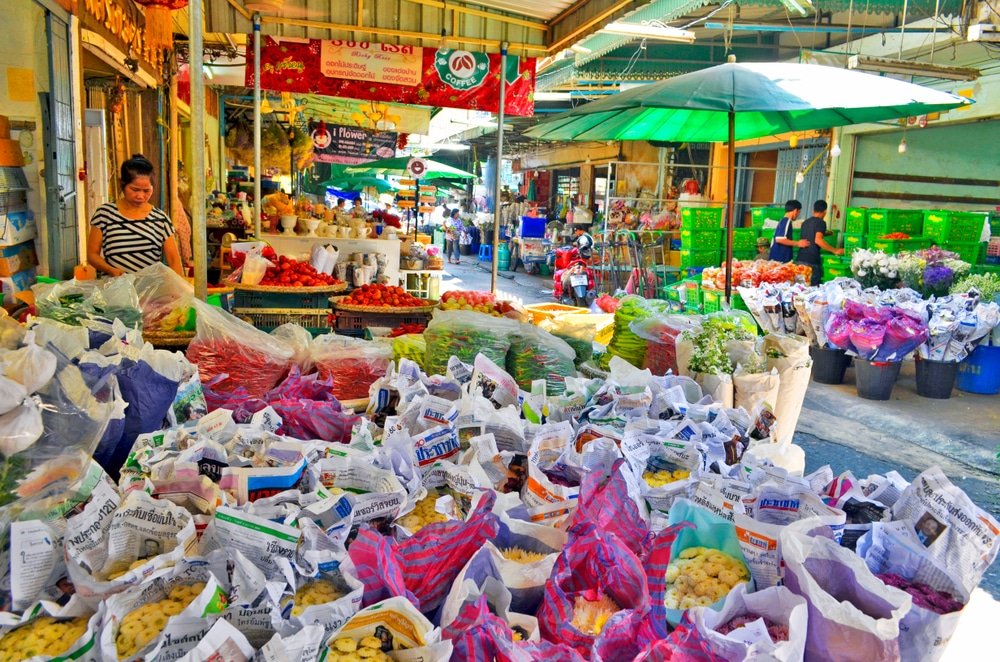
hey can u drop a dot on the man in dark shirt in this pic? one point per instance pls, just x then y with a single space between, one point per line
782 244
813 232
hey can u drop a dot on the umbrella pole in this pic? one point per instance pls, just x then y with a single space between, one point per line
730 204
257 201
496 195
198 228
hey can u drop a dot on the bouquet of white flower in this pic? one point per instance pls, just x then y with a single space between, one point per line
875 269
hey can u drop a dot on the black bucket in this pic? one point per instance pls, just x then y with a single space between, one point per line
829 365
874 381
935 379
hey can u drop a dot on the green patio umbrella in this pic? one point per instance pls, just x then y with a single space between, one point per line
361 183
397 167
739 101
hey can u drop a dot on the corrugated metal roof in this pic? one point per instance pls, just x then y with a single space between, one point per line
543 9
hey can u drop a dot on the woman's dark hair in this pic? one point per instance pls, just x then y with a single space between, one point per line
137 166
455 212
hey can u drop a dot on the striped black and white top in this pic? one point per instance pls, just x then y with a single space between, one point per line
131 244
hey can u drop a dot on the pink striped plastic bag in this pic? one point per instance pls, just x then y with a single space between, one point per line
423 567
604 500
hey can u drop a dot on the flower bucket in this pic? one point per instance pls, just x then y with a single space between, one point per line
875 379
936 379
829 365
980 371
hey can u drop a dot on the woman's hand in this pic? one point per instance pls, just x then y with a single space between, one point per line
115 272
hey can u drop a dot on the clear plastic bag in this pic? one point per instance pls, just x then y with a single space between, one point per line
624 342
164 298
352 365
537 354
660 333
578 331
225 345
464 334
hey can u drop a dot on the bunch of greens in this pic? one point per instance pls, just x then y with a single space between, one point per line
710 353
988 285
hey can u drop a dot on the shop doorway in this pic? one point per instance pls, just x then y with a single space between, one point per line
60 152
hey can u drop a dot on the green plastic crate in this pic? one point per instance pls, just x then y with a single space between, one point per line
835 261
886 221
687 290
836 271
701 239
968 251
937 223
853 242
856 220
712 301
702 218
894 246
743 239
986 269
743 254
699 258
966 226
760 214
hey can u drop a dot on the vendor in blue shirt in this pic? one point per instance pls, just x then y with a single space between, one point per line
782 243
813 233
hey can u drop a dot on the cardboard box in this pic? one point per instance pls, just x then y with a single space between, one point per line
17 228
19 282
19 257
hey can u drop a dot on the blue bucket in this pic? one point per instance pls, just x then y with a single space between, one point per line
980 371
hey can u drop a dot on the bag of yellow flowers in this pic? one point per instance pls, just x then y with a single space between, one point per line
705 563
48 631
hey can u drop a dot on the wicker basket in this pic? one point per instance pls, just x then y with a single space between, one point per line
323 289
168 339
435 263
390 310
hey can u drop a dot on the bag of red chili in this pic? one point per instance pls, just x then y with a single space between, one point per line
229 347
351 364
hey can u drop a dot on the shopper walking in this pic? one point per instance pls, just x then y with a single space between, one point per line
782 244
452 234
130 234
813 234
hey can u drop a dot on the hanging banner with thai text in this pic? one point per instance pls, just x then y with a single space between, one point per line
349 144
390 73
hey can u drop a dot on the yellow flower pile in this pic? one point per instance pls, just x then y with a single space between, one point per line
700 576
521 555
145 624
316 592
42 636
423 514
663 477
345 649
119 573
589 616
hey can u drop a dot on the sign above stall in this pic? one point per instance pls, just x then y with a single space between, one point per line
334 143
391 73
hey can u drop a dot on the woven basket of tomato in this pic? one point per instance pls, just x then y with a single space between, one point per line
381 299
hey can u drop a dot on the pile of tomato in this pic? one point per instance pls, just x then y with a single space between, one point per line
288 272
755 273
382 295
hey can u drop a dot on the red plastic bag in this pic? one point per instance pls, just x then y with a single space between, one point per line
225 346
605 502
423 567
592 563
351 365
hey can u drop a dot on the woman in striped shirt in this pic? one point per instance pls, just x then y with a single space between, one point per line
130 234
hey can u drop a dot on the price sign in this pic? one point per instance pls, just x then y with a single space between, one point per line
417 168
406 204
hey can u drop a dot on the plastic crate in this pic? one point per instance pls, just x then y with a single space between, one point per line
684 292
937 224
853 242
712 301
886 221
258 299
532 227
968 251
743 239
314 321
346 320
702 218
835 261
699 258
894 246
986 269
760 214
834 271
966 226
540 312
743 255
701 239
856 220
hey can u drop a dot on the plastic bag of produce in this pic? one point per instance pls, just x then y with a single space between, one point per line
352 365
577 330
300 341
767 624
595 577
537 354
789 357
226 346
164 299
850 610
393 626
479 634
903 334
410 346
64 301
48 631
866 337
660 333
116 300
423 567
463 334
624 342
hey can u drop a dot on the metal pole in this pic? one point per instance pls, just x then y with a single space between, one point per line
496 195
198 228
173 144
730 204
257 202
